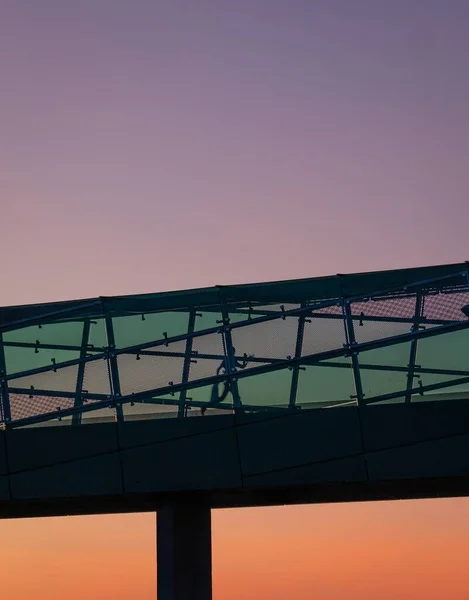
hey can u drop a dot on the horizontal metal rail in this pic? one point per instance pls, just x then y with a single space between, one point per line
417 390
40 319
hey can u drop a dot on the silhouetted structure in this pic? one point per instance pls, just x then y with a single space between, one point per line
351 387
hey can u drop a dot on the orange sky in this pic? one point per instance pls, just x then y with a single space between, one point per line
405 550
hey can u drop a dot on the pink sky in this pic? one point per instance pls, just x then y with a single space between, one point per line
148 146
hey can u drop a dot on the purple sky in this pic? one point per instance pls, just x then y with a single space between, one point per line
150 145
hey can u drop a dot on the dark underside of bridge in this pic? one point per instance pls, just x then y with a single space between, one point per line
448 487
381 452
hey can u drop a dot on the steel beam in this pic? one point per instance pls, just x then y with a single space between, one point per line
296 369
230 356
114 369
187 363
352 345
4 393
76 419
413 346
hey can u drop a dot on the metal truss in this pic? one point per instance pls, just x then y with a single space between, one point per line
53 369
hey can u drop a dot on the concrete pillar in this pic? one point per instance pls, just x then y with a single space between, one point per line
184 552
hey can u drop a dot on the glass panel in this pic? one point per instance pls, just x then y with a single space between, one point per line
207 318
24 359
206 395
68 334
270 389
33 347
326 384
447 352
384 370
97 337
141 329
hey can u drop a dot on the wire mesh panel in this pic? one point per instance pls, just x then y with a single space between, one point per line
151 369
96 378
3 401
324 330
268 340
443 308
382 318
25 405
207 357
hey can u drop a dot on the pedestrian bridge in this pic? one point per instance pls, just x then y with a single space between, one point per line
349 387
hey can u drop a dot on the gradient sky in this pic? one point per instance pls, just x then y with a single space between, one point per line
148 145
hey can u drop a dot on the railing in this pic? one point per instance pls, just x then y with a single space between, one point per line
95 361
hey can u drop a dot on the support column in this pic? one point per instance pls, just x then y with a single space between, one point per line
184 552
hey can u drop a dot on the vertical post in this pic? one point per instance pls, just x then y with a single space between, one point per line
114 369
413 347
352 342
85 337
230 356
187 362
4 394
184 552
298 350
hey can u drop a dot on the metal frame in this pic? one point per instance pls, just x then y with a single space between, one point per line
5 411
76 419
230 355
187 362
113 369
255 312
298 350
352 345
413 347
